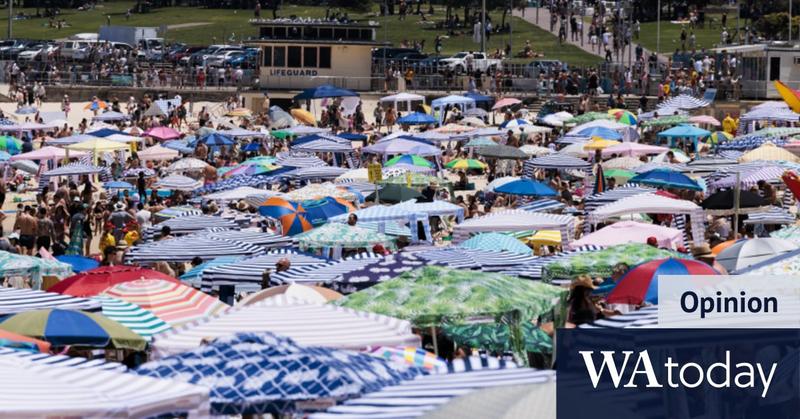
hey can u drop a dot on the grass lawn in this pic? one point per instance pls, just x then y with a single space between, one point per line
224 24
671 35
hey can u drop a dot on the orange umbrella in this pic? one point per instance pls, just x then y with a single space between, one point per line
96 105
722 246
43 346
789 95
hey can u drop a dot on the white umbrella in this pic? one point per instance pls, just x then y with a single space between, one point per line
624 163
750 252
500 182
553 121
530 129
473 122
178 183
535 150
187 164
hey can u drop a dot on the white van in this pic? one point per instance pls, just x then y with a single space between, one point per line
79 50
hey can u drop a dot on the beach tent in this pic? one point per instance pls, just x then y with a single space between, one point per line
684 131
403 102
515 220
441 105
632 232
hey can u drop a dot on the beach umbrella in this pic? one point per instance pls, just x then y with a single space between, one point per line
258 373
410 159
413 180
769 152
525 187
624 163
73 327
453 129
417 118
494 242
12 264
501 152
4 156
633 149
290 214
117 184
666 178
720 136
26 110
640 284
22 343
665 121
588 117
96 105
319 211
465 164
95 281
496 337
499 182
174 303
163 133
217 139
529 129
98 145
140 321
10 145
724 245
342 236
511 123
311 293
723 201
600 181
746 253
625 117
473 122
79 263
597 143
432 294
505 102
704 119
178 183
623 232
535 150
303 116
602 132
476 112
789 95
319 191
620 176
324 91
241 112
481 142
601 263
248 169
416 357
544 238
680 157
394 194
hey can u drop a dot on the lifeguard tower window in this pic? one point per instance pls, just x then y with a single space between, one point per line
295 57
325 57
310 57
267 56
279 59
774 68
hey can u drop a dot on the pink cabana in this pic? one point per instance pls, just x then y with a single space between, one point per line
158 152
47 153
163 133
633 149
631 232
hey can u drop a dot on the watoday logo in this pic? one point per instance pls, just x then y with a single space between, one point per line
690 375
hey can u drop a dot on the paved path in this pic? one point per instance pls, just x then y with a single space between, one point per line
544 23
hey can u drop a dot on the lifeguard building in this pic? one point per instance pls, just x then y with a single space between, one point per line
303 53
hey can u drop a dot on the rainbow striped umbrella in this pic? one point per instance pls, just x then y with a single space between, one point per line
624 117
409 159
291 215
465 164
719 136
10 145
139 320
174 303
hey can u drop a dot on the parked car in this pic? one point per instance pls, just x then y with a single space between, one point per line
11 51
41 51
218 58
246 59
390 53
430 65
183 57
408 58
480 61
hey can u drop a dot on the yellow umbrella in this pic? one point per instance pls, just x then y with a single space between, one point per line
239 112
427 109
789 95
545 237
598 143
304 116
769 151
98 145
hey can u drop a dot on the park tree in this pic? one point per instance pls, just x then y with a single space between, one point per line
358 5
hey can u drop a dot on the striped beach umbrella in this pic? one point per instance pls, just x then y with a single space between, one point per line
640 284
463 164
625 117
10 145
139 320
417 357
175 304
73 327
719 136
496 241
291 215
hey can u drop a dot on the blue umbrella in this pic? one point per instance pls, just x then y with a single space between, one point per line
602 132
179 145
25 110
319 211
353 136
514 123
252 147
79 263
324 91
106 132
525 187
255 373
216 139
193 276
4 156
416 118
666 178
